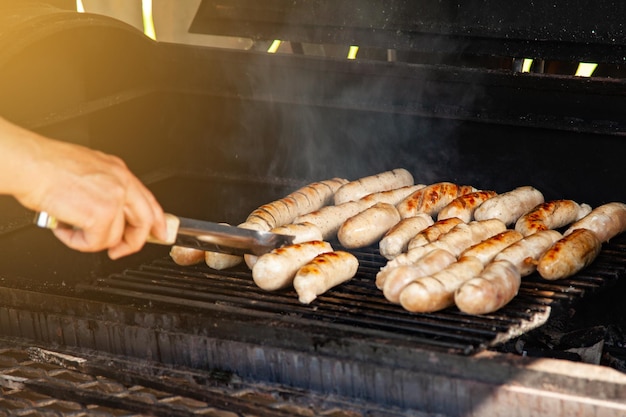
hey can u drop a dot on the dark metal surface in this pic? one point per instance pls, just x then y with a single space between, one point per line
357 310
551 30
68 382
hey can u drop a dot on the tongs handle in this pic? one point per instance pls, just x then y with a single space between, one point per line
46 221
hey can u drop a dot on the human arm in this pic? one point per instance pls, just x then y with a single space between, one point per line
95 192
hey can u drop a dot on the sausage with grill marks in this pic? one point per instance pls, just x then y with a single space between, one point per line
388 180
276 270
432 198
301 232
324 272
486 250
551 215
330 218
304 200
368 226
495 287
569 255
606 221
509 206
396 240
432 232
525 253
463 207
458 239
398 278
436 292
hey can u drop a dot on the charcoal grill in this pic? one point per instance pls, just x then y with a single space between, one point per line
217 132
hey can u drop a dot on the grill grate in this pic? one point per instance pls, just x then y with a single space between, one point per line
357 307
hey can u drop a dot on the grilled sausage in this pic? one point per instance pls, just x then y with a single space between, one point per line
463 207
304 200
221 261
277 269
486 250
368 226
525 253
330 218
606 221
464 235
432 232
509 206
551 215
436 292
569 255
324 272
398 278
396 240
495 287
431 198
388 180
301 232
391 196
458 239
186 256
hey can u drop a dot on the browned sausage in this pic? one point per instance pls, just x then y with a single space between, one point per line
464 206
569 255
551 215
432 198
324 272
432 232
526 253
304 200
486 250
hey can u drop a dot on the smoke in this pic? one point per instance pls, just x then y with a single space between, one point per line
328 116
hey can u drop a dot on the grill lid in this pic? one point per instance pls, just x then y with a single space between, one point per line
551 30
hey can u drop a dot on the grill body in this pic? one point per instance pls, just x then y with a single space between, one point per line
216 133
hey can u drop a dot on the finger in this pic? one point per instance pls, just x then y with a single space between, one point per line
140 220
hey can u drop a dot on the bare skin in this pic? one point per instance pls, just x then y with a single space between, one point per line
106 203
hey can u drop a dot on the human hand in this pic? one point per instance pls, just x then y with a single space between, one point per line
94 192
